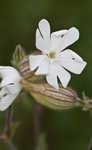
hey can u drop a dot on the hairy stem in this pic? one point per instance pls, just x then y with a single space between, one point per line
9 121
37 109
8 124
10 145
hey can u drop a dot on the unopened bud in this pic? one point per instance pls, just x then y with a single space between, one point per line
46 95
18 55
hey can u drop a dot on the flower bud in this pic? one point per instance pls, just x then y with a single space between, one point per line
18 55
61 99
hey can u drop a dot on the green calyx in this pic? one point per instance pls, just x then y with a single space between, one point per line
50 97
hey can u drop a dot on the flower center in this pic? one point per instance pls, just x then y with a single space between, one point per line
52 55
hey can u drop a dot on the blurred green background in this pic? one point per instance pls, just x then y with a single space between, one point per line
66 130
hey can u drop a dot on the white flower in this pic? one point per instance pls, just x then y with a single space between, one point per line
9 86
55 61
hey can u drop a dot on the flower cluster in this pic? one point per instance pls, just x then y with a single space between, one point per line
54 61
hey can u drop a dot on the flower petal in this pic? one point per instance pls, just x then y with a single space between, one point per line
35 60
38 61
44 27
9 86
43 35
58 34
13 88
6 98
7 70
64 76
52 76
43 67
57 71
6 101
61 40
9 75
71 61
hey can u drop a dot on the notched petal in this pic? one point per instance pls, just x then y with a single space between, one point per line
43 36
72 61
44 28
65 38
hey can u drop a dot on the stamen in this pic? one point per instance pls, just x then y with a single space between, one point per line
52 55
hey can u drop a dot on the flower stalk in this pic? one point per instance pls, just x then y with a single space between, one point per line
6 137
36 109
9 122
10 145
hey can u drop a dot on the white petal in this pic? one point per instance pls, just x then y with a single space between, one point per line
62 40
6 99
6 102
57 71
36 60
9 86
52 76
58 34
43 67
14 88
7 70
71 61
64 76
43 35
9 75
8 94
44 27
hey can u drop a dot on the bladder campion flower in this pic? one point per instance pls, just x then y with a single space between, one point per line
9 86
55 60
